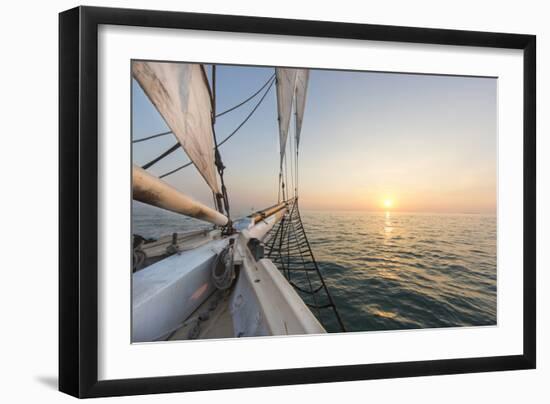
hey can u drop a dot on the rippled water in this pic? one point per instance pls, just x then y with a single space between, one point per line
152 222
390 271
398 271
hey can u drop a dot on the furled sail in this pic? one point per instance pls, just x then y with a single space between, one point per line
286 83
181 94
302 79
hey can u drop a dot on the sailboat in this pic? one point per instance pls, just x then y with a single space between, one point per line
245 277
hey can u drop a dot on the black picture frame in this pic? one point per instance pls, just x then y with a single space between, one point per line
78 201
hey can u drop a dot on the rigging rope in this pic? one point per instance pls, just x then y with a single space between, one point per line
151 137
163 155
297 165
217 116
288 247
175 170
283 178
249 115
222 196
287 183
248 99
292 162
296 158
231 134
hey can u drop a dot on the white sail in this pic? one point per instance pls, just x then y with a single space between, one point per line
302 79
286 83
181 94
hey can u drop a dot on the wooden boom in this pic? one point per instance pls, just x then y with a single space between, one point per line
149 189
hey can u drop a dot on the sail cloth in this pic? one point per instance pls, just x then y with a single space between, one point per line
286 83
302 79
181 94
291 88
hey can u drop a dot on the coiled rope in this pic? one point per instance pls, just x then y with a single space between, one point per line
223 272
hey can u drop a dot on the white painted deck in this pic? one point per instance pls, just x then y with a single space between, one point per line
175 298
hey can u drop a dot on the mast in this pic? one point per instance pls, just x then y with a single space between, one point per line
222 199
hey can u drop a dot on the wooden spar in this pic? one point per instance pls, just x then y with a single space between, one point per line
262 227
153 191
260 215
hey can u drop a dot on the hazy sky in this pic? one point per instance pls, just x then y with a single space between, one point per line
427 143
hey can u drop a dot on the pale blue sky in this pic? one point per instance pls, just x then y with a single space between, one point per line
426 142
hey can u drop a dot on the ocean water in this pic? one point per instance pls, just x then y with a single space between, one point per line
390 271
400 271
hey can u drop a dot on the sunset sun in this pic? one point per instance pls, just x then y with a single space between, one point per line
388 203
